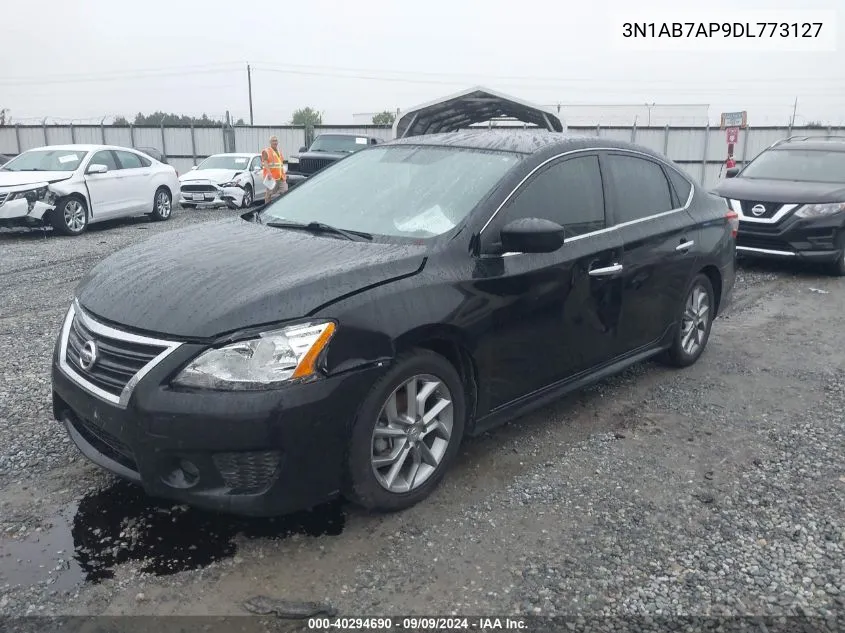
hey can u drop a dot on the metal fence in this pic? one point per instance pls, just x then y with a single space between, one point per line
700 151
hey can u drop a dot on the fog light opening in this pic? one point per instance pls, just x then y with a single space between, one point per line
185 474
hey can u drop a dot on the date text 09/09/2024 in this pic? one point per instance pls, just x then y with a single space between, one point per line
416 624
723 29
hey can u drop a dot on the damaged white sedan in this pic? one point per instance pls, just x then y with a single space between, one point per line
70 187
232 180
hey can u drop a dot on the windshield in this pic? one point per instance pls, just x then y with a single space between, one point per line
46 160
398 191
224 162
798 164
328 143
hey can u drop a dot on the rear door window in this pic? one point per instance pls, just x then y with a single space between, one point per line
638 187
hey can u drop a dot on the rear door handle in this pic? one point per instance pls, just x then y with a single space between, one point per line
608 271
685 246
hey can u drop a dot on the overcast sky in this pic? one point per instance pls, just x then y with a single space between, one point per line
85 60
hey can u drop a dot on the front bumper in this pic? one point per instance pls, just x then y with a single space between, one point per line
808 239
216 196
22 213
257 454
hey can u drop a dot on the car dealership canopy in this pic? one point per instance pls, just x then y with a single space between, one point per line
475 105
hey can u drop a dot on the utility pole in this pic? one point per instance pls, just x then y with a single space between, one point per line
249 81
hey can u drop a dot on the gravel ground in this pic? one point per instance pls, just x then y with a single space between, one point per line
716 490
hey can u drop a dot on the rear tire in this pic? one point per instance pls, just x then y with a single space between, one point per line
384 440
695 322
162 205
70 217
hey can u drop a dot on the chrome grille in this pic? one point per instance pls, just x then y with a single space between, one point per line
3 197
309 166
120 360
769 208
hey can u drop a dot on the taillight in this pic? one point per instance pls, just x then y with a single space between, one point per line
733 219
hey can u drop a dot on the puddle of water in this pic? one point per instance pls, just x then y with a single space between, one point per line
45 556
121 523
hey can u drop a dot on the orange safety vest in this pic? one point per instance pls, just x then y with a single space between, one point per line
273 164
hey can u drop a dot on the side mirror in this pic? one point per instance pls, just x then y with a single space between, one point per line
732 172
193 168
532 235
303 149
97 168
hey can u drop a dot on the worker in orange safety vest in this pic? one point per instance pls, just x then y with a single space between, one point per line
275 180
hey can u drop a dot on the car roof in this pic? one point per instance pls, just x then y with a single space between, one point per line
79 147
824 146
520 141
237 154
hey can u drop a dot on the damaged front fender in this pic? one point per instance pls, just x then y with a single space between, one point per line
28 205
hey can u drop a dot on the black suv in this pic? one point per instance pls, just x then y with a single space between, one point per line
326 150
791 201
475 277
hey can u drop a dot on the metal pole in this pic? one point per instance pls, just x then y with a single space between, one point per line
103 129
18 138
666 140
132 134
163 142
72 134
249 81
193 143
706 148
745 144
794 111
598 129
634 131
44 130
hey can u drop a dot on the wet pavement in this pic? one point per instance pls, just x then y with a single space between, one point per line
121 523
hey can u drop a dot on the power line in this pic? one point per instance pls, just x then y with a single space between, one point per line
114 77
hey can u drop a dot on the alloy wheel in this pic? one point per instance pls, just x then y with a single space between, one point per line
247 201
74 214
695 321
412 433
163 204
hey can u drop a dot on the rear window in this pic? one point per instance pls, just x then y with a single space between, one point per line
682 185
810 165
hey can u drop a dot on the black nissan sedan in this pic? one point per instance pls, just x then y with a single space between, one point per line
344 339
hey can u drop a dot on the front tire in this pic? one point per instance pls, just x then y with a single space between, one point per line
837 268
407 433
696 320
246 203
70 217
162 205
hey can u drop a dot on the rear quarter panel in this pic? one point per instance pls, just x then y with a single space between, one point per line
717 245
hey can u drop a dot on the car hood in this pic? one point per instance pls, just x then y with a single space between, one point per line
784 191
200 283
214 175
13 179
325 155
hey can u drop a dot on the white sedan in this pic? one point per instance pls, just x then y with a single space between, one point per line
71 186
233 180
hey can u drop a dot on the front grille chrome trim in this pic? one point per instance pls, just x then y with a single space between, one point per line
96 327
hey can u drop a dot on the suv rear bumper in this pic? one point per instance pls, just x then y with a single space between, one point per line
810 239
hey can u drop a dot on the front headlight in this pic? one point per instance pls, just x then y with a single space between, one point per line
293 160
816 210
32 195
234 183
261 363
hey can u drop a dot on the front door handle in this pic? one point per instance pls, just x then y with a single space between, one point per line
685 246
608 271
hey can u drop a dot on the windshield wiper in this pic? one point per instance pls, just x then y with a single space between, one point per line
320 227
